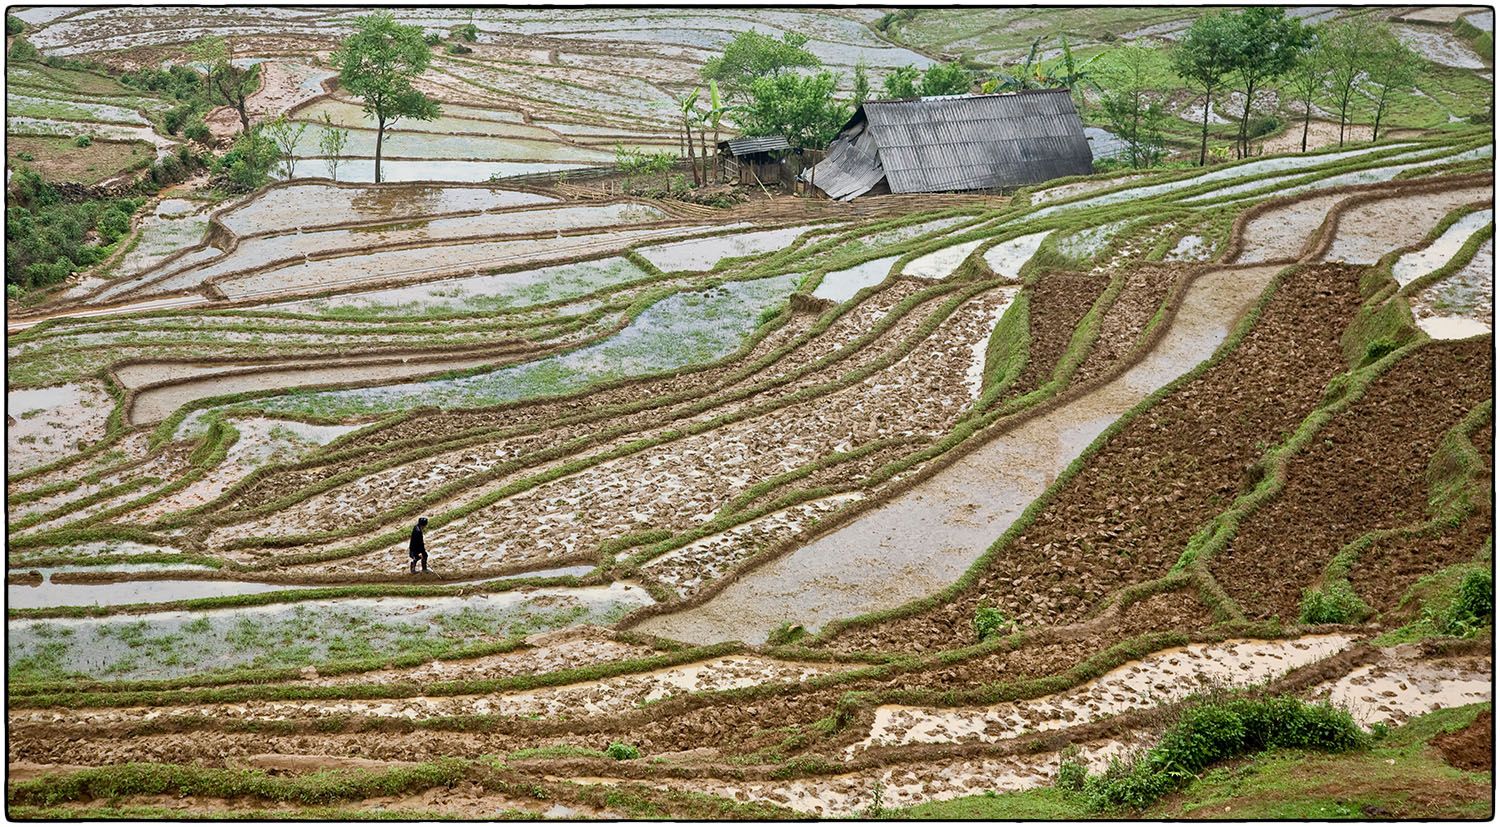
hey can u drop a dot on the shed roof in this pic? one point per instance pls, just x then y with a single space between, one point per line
958 142
740 147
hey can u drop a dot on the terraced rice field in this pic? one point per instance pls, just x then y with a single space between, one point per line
725 486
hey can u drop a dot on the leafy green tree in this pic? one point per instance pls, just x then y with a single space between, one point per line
945 79
377 64
286 135
751 56
332 142
802 108
861 83
1391 67
1265 44
1343 45
902 83
247 165
1204 58
1131 101
210 51
1306 80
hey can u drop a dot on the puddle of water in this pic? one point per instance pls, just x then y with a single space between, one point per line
1419 263
841 285
429 144
1085 244
479 293
470 258
1452 327
683 329
171 644
1161 678
312 205
977 351
1008 257
1253 169
703 254
1281 233
1438 45
1393 691
49 594
1190 248
50 423
872 564
1387 173
1369 231
33 107
940 264
362 170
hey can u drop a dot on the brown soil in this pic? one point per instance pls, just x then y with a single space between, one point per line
1471 748
1366 470
1058 303
1128 514
1145 290
59 159
1387 569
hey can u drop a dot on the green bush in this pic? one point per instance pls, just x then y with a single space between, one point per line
197 130
114 223
1379 349
787 632
25 156
247 166
458 49
989 622
1071 773
1334 603
45 236
1473 606
467 32
21 49
83 140
432 38
14 25
1214 730
622 752
1261 125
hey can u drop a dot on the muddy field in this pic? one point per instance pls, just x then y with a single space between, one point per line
782 509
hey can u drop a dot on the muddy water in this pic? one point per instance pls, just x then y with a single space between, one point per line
362 170
1452 327
1396 689
1419 263
705 253
1008 257
940 264
306 206
1369 231
980 347
50 423
155 404
841 285
872 563
1279 234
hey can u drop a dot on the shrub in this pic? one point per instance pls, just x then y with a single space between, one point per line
1264 125
1214 730
1334 603
14 25
1071 773
622 752
467 32
458 49
1472 607
197 130
432 38
113 224
1379 349
21 49
787 632
83 140
25 156
989 622
247 166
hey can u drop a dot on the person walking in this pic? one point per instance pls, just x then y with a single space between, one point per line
418 548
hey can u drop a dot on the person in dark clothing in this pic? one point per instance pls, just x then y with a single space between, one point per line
418 548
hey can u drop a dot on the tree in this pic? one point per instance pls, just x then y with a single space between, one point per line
236 84
902 83
1306 80
377 64
286 135
331 143
687 105
714 117
861 83
1343 47
1393 66
1203 58
945 79
246 166
752 55
1265 45
211 51
802 108
1131 101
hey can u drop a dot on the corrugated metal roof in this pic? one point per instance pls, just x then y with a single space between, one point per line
740 147
962 142
851 167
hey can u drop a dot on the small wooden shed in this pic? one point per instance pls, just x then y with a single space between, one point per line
756 161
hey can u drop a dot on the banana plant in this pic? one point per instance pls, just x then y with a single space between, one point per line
715 118
688 105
